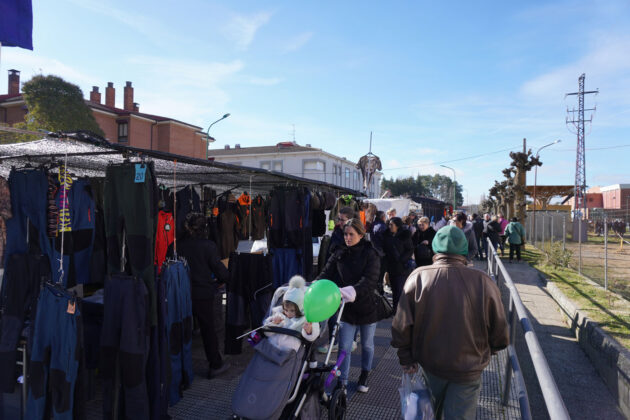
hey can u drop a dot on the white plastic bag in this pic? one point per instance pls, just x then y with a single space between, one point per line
415 398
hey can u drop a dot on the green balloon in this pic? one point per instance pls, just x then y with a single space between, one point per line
321 300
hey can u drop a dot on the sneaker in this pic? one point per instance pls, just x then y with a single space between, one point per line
212 373
363 383
324 349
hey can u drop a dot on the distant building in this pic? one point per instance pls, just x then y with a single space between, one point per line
126 126
303 161
613 199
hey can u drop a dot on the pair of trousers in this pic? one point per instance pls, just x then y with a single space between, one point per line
125 342
22 277
130 213
347 332
515 248
158 359
287 262
203 309
397 283
178 327
55 354
454 400
28 202
79 240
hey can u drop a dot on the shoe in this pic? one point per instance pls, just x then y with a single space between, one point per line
324 349
212 373
363 382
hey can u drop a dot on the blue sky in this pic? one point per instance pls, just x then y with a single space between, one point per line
437 84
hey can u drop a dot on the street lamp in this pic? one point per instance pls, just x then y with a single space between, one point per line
536 179
208 131
454 186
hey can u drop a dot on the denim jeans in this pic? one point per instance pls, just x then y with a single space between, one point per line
346 337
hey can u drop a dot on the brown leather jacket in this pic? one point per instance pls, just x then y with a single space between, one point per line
449 319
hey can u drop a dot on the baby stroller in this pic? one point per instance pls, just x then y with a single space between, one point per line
289 384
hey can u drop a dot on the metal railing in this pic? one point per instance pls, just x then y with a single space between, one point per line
516 312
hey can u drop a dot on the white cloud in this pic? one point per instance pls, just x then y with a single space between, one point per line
242 29
150 28
30 64
298 42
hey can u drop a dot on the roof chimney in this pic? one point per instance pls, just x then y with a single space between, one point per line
95 95
14 82
110 95
136 107
128 97
308 145
237 146
227 147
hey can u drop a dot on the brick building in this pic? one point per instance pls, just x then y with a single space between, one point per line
127 126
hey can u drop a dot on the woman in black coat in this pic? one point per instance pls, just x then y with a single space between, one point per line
398 253
492 230
422 242
355 268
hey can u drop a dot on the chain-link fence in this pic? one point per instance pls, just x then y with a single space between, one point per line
603 255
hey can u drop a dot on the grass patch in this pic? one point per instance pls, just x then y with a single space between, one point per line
611 312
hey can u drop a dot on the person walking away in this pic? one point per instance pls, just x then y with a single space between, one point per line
503 223
450 320
202 256
462 222
478 228
398 253
515 233
354 268
491 230
422 241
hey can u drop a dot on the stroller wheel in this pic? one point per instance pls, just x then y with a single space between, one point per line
338 405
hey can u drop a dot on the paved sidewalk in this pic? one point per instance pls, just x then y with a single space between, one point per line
583 391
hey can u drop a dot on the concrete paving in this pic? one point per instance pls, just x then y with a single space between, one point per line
583 391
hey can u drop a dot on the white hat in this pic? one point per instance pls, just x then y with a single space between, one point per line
296 291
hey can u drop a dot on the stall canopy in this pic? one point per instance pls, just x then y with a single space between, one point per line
89 155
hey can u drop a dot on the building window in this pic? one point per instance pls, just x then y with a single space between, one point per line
347 182
123 132
271 165
314 169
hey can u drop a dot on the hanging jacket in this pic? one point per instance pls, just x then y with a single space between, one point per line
164 237
258 218
344 201
244 201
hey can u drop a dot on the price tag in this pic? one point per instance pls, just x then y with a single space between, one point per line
71 307
141 171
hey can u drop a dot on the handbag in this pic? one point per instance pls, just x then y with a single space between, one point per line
384 309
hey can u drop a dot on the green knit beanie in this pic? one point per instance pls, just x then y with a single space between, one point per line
450 240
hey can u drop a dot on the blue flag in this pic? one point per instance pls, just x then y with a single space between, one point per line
16 23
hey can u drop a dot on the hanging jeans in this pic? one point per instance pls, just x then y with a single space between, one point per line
23 275
125 337
55 354
179 327
131 206
79 241
287 262
159 361
28 202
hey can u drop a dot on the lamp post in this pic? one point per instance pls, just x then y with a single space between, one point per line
208 131
454 186
535 181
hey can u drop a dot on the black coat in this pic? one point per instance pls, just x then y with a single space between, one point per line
492 230
202 256
356 266
398 251
422 258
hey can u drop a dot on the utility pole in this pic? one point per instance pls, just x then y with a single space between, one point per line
579 195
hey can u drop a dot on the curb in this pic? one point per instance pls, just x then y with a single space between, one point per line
610 359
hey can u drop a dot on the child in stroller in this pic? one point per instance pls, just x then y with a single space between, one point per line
283 380
290 315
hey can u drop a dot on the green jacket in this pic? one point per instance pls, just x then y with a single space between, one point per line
515 233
